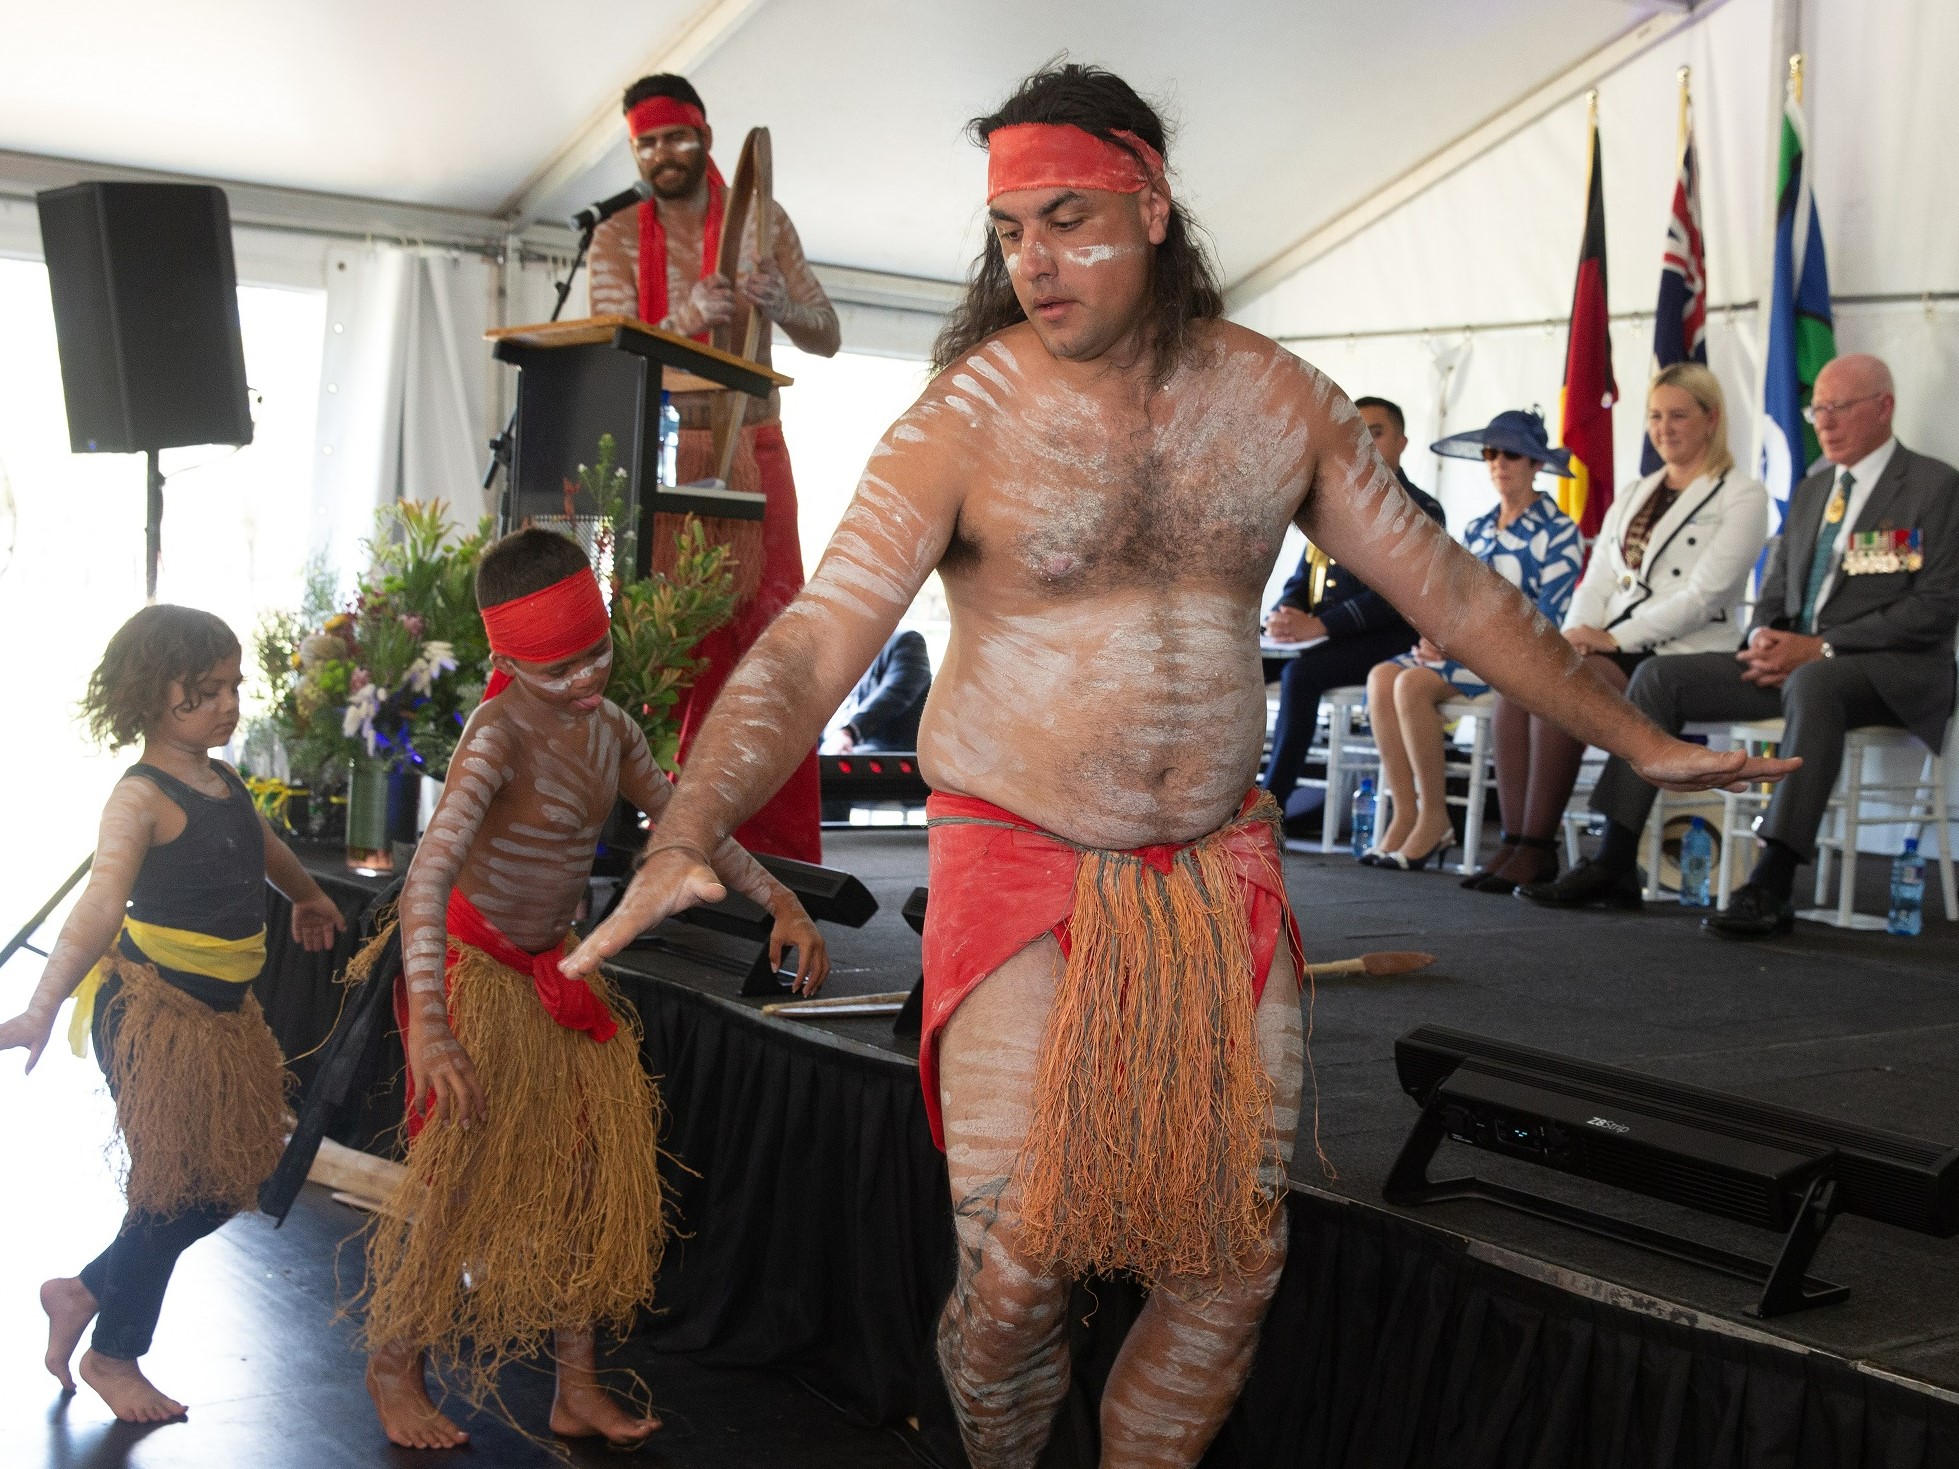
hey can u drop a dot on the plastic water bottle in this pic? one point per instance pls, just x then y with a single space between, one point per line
1696 865
669 441
1362 816
1907 891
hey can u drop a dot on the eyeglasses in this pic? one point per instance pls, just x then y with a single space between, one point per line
1491 454
1831 410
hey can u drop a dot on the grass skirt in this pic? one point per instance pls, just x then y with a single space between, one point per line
200 1095
548 1215
1151 1108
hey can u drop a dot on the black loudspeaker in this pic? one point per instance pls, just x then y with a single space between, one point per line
146 316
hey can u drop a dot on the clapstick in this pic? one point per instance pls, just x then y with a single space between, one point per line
1388 961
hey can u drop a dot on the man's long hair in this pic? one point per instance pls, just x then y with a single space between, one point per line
1184 285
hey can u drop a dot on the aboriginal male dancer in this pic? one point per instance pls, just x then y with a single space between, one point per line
657 262
1102 472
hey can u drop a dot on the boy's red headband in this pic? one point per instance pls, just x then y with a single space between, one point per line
663 112
1048 155
564 618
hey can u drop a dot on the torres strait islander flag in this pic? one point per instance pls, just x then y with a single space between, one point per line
1802 336
1680 319
1585 404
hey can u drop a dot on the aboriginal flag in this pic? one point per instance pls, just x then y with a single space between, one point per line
1585 404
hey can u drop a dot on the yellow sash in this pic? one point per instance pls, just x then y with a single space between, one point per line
235 961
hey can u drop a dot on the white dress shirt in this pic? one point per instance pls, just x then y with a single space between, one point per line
1865 474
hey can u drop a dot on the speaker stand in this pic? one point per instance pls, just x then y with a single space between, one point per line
153 530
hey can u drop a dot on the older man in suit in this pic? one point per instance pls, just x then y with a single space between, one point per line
1854 627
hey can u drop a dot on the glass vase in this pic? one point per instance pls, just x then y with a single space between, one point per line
370 840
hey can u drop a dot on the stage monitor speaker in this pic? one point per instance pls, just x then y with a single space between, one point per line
146 316
1769 1166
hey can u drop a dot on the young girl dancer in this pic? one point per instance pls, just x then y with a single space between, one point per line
161 950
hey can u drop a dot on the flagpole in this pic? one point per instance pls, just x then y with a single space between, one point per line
1796 77
1680 153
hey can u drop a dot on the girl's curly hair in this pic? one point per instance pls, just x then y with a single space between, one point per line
130 688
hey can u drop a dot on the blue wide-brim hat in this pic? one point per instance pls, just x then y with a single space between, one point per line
1520 430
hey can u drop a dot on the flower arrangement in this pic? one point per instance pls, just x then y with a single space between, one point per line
389 678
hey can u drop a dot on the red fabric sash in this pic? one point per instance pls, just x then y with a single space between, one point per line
997 888
653 249
570 1002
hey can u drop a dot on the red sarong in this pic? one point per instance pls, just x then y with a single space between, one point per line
569 1002
787 826
999 882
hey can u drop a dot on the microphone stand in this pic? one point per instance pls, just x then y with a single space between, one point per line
500 446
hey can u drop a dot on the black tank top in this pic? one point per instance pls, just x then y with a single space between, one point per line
210 880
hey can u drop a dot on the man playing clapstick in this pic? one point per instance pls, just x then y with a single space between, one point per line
531 1210
659 262
1103 472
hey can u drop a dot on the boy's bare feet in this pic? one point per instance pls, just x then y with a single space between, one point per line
584 1409
400 1391
70 1308
130 1395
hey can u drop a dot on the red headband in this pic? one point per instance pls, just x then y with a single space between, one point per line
663 112
564 618
1047 155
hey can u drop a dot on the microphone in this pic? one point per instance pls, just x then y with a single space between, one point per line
591 217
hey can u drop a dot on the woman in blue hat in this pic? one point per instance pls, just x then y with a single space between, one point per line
1531 544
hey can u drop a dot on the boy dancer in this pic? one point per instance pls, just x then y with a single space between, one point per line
164 944
532 1179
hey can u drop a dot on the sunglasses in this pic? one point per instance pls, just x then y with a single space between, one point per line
1491 454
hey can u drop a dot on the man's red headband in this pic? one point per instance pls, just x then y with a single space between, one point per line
564 618
1048 155
663 112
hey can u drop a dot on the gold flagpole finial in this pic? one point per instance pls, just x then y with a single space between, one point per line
1685 106
1796 76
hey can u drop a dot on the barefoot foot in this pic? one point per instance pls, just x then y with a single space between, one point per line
588 1411
130 1395
396 1382
70 1308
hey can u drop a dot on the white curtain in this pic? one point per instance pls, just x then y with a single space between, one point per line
1497 242
406 390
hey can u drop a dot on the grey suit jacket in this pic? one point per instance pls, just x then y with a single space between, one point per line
1902 621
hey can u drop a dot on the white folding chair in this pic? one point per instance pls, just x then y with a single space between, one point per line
1922 803
1350 752
1481 714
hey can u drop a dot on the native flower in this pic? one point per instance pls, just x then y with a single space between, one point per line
437 658
358 720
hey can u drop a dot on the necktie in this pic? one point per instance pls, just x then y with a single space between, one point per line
1826 546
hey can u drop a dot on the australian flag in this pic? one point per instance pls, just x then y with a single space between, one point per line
1680 320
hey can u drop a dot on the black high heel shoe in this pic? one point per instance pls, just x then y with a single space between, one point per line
1395 862
1506 846
1492 883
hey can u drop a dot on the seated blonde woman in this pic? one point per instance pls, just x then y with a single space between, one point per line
1531 544
1667 575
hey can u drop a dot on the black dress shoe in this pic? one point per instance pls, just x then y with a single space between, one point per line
1587 885
1753 912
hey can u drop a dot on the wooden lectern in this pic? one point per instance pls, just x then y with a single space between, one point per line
600 375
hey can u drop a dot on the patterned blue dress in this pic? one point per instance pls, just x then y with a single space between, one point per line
1541 553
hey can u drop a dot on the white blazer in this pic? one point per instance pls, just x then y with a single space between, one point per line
1687 595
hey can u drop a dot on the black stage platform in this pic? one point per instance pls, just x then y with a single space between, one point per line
1459 1334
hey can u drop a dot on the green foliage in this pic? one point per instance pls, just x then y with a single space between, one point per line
655 622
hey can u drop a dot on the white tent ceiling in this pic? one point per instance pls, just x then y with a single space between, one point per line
1288 112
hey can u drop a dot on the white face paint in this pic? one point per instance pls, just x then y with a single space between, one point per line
1098 254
